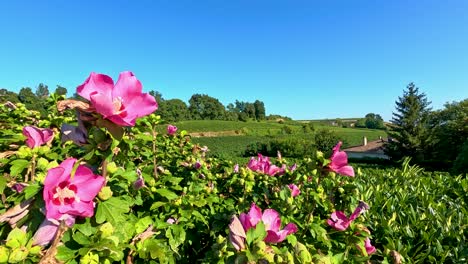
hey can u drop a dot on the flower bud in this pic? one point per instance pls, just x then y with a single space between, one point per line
105 193
106 230
139 183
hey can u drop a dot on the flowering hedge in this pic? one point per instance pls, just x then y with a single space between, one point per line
96 183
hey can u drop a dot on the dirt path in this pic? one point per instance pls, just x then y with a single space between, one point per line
217 133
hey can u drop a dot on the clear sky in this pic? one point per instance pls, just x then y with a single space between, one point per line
303 59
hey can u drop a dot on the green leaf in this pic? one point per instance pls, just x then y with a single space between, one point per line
112 210
143 224
256 234
81 238
200 217
176 237
169 195
3 183
156 205
16 238
31 190
18 166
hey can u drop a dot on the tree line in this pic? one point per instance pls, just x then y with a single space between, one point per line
200 107
32 100
205 107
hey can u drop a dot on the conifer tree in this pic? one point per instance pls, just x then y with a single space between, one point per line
409 132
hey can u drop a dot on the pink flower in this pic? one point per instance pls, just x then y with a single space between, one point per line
339 162
293 167
236 168
67 195
171 129
262 164
369 248
271 220
339 221
294 190
121 103
37 136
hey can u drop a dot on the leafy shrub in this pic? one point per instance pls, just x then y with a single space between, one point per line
325 140
165 200
287 130
461 163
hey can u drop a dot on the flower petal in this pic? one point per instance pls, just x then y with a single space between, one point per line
33 136
275 236
271 219
127 87
52 210
245 221
47 135
103 104
88 184
45 233
345 170
290 228
59 174
83 209
369 248
96 83
339 221
236 228
254 215
340 159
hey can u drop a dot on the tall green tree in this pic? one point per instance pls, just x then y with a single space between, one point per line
259 110
174 110
42 91
409 131
202 106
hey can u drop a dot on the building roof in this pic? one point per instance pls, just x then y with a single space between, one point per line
372 146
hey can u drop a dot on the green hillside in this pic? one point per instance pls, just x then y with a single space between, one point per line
230 138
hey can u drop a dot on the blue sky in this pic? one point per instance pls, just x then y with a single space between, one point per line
303 59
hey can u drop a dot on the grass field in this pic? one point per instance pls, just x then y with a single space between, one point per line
245 133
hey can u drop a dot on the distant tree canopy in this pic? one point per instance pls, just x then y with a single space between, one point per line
60 90
205 107
42 91
374 121
202 106
173 110
6 96
449 136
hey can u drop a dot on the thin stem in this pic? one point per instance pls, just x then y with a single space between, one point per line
33 167
49 257
155 167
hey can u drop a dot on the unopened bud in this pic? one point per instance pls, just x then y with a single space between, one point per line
105 193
